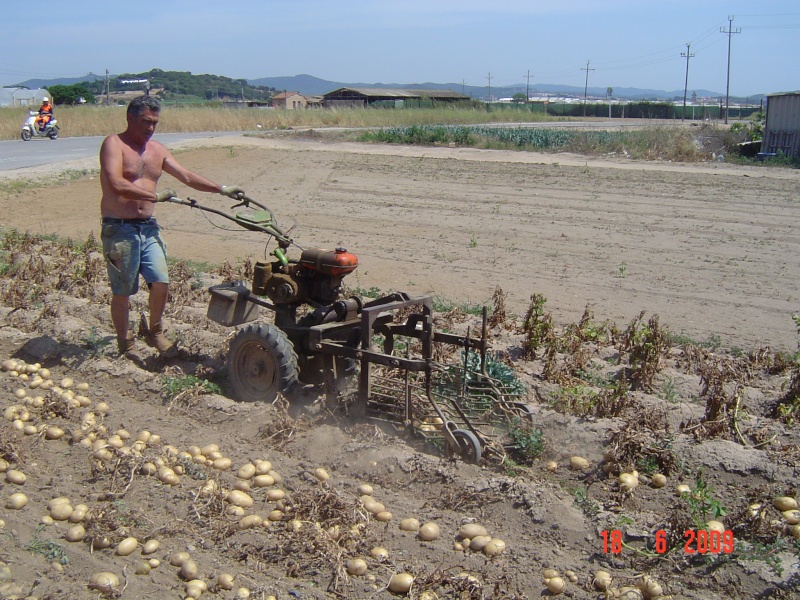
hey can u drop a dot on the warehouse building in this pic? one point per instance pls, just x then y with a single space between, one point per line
361 97
782 129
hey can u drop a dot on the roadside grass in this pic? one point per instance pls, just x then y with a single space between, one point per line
77 121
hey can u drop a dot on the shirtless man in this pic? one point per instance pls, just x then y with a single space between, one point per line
130 167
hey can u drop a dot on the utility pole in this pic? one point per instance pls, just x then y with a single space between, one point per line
729 33
527 87
586 87
106 85
489 77
688 55
463 82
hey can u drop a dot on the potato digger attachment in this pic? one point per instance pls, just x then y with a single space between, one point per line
387 346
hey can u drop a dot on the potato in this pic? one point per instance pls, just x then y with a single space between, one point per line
222 464
275 494
578 463
16 477
225 581
428 532
379 553
715 526
356 566
239 498
494 547
400 583
127 546
249 522
602 580
555 585
76 533
262 481
189 569
409 525
792 516
785 503
104 581
246 471
61 511
471 530
176 559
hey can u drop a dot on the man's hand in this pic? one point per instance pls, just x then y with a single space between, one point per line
231 191
165 195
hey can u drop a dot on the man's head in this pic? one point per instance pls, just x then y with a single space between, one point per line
142 115
141 103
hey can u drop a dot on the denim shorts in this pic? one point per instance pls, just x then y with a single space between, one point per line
132 247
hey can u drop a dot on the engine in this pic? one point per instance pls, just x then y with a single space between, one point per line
316 278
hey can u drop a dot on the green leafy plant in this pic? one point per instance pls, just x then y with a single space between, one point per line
585 502
47 548
528 442
175 386
668 391
95 343
702 505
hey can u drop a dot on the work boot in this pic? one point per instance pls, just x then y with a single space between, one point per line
126 344
159 341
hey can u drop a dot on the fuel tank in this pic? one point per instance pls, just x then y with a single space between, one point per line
334 263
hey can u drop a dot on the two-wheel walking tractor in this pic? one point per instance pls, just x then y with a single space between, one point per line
386 344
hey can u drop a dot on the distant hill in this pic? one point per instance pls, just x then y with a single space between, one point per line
35 84
313 86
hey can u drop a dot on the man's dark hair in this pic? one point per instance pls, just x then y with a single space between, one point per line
138 105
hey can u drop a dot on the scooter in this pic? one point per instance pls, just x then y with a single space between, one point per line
30 129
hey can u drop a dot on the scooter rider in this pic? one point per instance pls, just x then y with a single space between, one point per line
45 114
130 166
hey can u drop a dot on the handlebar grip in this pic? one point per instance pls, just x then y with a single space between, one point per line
176 200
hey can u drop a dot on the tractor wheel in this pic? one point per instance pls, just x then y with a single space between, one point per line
469 447
261 363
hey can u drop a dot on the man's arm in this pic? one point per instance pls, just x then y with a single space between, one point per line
190 178
111 168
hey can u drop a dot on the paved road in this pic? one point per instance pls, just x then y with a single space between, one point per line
17 154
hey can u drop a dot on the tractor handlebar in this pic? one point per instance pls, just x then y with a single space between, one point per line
262 220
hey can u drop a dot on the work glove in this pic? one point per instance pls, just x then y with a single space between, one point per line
164 195
231 191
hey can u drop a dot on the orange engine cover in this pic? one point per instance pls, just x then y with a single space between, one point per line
329 262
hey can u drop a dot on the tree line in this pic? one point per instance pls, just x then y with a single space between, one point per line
172 85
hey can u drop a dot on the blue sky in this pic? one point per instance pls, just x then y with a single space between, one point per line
628 43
